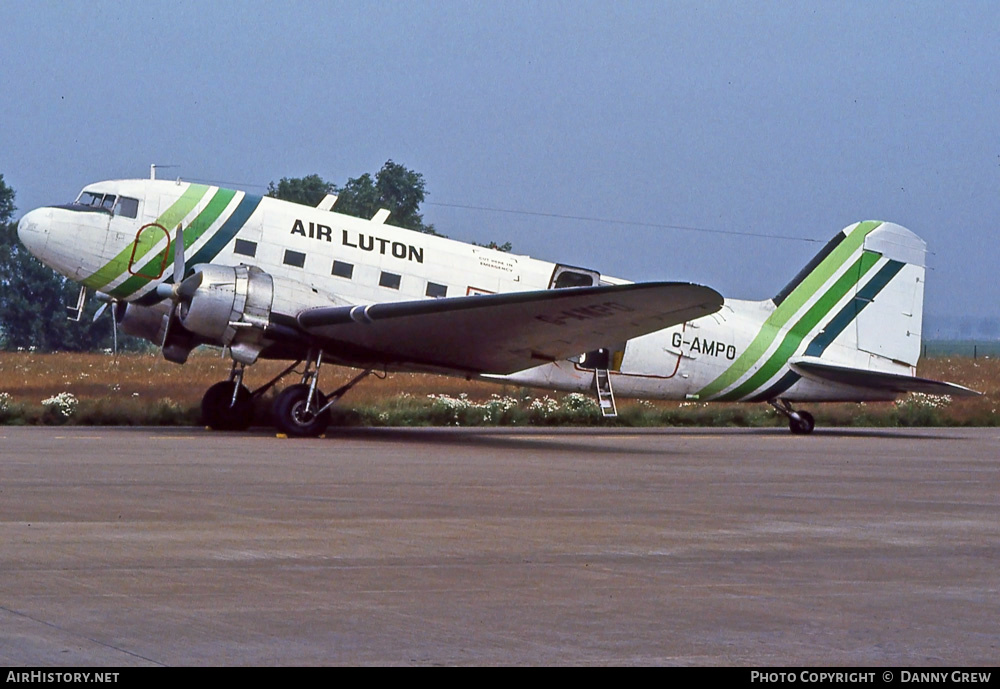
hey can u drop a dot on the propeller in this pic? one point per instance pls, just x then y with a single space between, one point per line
182 289
173 291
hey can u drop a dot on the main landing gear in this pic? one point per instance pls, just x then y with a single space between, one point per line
799 422
299 410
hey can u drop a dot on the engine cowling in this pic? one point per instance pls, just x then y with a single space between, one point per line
229 306
139 321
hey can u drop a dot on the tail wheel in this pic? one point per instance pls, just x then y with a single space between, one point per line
292 417
804 425
220 413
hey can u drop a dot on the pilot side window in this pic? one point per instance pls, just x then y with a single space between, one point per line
343 270
246 248
127 207
294 258
435 290
390 280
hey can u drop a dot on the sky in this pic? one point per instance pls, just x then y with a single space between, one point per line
597 130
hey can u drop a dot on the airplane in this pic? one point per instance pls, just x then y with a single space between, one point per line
185 264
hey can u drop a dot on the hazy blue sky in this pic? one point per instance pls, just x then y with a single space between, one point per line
780 118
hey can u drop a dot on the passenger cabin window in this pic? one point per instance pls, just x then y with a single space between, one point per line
390 280
343 270
571 279
245 248
294 258
435 290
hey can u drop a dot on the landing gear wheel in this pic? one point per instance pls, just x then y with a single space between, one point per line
218 411
291 417
804 425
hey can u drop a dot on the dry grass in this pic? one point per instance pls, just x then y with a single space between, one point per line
30 377
134 381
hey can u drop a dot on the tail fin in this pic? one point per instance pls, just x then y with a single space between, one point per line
852 317
867 292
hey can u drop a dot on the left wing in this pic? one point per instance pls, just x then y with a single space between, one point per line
504 333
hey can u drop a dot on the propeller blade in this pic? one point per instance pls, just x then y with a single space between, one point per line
179 255
187 288
100 310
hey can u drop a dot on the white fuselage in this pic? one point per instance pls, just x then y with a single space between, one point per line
119 242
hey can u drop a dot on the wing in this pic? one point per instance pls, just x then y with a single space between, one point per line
877 380
503 333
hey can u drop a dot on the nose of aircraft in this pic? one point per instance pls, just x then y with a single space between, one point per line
32 230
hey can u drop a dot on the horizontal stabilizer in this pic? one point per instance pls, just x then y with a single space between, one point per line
504 333
876 380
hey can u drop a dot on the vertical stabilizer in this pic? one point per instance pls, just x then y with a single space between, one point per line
858 303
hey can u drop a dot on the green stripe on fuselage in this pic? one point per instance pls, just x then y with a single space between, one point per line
789 307
794 336
192 232
168 220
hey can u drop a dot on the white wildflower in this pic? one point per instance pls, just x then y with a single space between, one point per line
63 404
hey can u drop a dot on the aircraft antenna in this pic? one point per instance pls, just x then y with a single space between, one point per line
154 167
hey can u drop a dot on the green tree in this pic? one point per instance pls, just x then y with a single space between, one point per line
33 298
394 187
308 191
7 206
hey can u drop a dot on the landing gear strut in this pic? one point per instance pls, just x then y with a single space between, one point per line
799 422
300 410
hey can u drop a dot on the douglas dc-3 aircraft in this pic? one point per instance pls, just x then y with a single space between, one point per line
186 264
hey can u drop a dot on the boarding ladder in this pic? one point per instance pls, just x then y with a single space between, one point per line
605 396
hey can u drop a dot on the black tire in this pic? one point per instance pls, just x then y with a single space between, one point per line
805 424
218 412
290 416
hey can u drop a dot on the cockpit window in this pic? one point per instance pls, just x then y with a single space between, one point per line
110 203
89 198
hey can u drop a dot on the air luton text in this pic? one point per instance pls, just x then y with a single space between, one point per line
359 240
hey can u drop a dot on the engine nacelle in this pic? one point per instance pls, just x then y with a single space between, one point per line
139 321
230 307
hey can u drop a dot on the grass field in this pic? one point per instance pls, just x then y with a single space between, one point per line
141 389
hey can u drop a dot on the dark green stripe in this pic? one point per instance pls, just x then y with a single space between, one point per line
225 234
847 314
835 327
816 313
789 306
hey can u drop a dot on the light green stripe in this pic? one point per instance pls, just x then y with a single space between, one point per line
788 308
794 336
195 229
169 219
